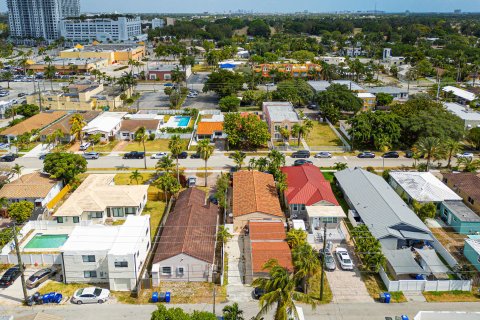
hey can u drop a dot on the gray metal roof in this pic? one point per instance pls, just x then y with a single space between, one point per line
402 261
388 90
433 263
322 85
461 211
380 207
280 111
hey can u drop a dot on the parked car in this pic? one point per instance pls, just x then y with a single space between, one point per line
134 155
183 155
91 155
300 162
312 106
391 154
330 264
301 154
344 259
465 155
191 182
195 156
21 94
84 146
271 84
213 199
168 84
9 277
7 158
90 295
409 154
323 154
43 156
258 293
40 277
366 154
159 155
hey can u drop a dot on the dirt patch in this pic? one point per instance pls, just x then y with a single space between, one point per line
452 241
120 146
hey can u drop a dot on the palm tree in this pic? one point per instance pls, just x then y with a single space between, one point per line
430 148
296 237
261 164
205 149
57 136
252 164
176 146
223 235
451 147
306 263
238 157
468 164
165 164
135 175
285 134
232 312
301 130
50 74
280 292
17 170
77 122
141 136
168 184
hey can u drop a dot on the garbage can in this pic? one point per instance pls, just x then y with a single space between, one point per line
155 297
382 297
167 297
58 298
387 297
404 317
161 298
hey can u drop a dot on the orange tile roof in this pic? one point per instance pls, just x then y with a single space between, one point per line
264 251
266 230
209 127
38 121
255 191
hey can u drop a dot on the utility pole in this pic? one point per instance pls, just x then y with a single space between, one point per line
39 97
214 298
20 264
323 260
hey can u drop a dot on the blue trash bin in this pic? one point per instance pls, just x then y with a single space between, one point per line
167 297
44 298
58 298
155 297
387 297
404 317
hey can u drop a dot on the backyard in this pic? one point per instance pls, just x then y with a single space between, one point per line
322 135
151 145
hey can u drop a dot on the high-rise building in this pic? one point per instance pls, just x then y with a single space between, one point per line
39 18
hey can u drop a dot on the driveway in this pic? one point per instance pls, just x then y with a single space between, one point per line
236 290
38 150
14 293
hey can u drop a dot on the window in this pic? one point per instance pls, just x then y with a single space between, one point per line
59 219
302 207
76 219
130 210
329 220
121 264
180 271
118 212
471 200
295 207
95 214
88 258
166 270
89 274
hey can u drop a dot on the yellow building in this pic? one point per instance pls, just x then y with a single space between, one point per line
369 100
119 53
81 97
67 65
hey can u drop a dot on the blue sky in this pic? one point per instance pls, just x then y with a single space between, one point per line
275 5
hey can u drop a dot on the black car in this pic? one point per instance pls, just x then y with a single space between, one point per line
391 154
258 293
183 155
302 162
195 156
9 277
301 154
134 155
7 158
366 154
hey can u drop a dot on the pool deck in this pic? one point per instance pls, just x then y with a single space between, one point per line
26 240
171 123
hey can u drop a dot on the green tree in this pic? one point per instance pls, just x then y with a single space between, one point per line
221 187
168 184
340 97
427 211
451 147
27 110
223 235
7 76
301 130
296 91
375 129
469 164
431 148
176 146
229 104
205 149
135 175
384 99
473 137
368 248
339 166
307 265
49 73
20 211
238 157
165 164
224 83
141 135
17 170
258 28
296 238
246 132
77 122
232 312
64 166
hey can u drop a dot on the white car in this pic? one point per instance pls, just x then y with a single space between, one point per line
344 259
90 295
323 155
159 155
464 155
84 146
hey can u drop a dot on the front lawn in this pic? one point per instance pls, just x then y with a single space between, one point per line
375 286
451 296
322 135
155 209
151 145
66 289
314 289
104 147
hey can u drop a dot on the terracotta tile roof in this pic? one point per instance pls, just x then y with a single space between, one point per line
134 125
190 228
255 191
467 182
33 185
266 230
209 127
64 124
264 251
38 121
307 185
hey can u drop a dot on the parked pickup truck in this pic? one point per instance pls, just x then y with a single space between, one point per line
134 155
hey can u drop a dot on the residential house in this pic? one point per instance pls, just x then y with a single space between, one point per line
352 52
129 127
396 93
296 70
113 53
254 198
332 60
471 250
36 188
280 115
163 72
369 100
36 122
462 96
107 124
107 254
470 118
322 85
4 106
466 185
186 248
266 240
98 199
64 126
210 130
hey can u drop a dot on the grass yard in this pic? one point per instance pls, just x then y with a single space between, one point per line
249 108
375 286
155 209
201 68
124 178
151 145
322 135
451 296
314 289
66 289
104 147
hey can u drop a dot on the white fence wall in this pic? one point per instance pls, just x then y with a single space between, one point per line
440 249
30 259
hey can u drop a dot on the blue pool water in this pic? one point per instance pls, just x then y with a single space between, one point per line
40 241
182 121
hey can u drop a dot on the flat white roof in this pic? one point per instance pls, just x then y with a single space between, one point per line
464 94
105 122
131 234
299 224
325 211
462 112
423 186
365 95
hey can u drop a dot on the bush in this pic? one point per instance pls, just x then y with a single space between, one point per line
370 169
20 211
151 136
229 104
180 130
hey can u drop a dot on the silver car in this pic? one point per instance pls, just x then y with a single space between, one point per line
40 277
90 295
91 155
323 154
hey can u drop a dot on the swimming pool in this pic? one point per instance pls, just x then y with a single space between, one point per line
40 241
177 122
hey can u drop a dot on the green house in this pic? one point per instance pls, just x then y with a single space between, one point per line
460 217
471 250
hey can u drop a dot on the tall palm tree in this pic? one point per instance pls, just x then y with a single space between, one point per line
252 164
280 292
205 149
135 175
431 148
50 74
141 136
300 130
261 164
296 237
165 164
232 312
451 147
468 164
223 235
238 157
77 122
17 170
307 265
176 146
